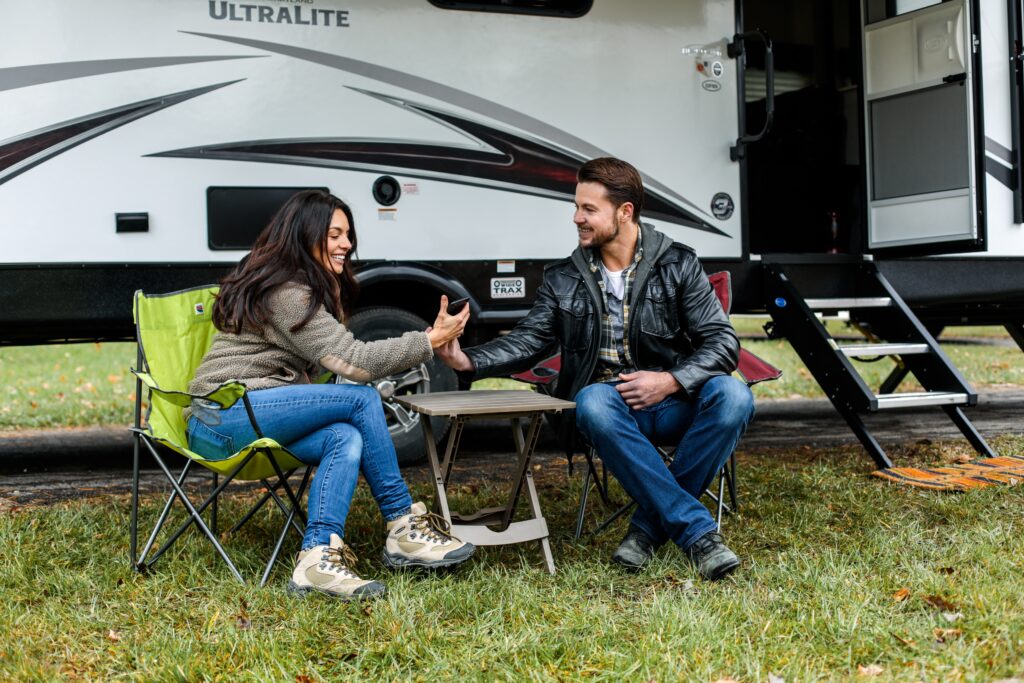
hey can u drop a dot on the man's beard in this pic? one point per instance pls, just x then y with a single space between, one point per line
601 241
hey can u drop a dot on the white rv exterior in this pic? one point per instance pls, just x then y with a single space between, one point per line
366 72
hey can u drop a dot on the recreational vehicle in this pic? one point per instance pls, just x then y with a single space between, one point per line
855 155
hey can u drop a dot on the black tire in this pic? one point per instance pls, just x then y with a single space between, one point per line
382 322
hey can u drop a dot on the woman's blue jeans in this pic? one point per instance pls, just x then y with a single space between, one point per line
338 427
706 432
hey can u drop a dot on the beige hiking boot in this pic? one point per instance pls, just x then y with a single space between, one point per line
423 539
328 569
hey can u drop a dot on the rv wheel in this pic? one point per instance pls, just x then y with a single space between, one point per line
371 324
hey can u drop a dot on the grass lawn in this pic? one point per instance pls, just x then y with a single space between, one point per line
842 574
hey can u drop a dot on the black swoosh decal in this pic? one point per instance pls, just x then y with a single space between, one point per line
21 153
502 161
452 96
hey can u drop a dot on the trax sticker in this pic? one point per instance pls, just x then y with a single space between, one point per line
297 14
508 287
199 308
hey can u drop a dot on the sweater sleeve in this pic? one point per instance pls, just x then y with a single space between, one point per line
325 341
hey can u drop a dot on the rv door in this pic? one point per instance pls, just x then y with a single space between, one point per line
921 88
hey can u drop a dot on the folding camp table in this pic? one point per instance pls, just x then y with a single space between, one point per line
489 526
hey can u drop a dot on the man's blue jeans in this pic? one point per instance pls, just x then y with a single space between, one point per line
339 427
706 431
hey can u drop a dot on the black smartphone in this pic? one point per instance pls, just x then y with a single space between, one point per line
455 306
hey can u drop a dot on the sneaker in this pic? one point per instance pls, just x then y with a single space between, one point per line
712 557
423 539
328 569
635 551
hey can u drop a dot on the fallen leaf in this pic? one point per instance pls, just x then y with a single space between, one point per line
114 379
772 678
869 670
952 616
944 634
906 641
961 459
242 620
901 595
726 680
946 570
939 602
114 635
303 678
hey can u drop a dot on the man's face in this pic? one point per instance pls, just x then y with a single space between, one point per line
596 218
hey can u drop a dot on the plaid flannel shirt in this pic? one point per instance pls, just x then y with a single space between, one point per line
614 356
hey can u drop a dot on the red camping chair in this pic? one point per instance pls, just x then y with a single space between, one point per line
750 368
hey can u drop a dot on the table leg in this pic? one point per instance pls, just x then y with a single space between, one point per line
545 545
452 447
440 498
525 448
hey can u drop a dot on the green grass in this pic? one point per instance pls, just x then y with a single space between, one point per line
66 385
825 550
89 384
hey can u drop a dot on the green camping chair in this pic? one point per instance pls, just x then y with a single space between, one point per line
173 332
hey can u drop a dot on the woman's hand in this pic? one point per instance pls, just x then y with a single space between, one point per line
447 327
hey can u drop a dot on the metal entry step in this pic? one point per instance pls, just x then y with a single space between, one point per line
920 398
843 304
862 350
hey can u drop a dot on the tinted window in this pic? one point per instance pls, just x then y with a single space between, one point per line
236 215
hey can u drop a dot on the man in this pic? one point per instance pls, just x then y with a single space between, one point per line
647 354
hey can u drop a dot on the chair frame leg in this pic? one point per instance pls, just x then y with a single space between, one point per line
145 561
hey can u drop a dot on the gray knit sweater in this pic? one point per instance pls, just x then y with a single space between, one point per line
275 356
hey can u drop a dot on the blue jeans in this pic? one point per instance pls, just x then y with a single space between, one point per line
339 427
706 432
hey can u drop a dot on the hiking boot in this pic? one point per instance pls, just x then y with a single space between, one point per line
712 557
635 551
328 569
423 539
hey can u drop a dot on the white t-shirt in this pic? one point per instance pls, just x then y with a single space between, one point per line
613 282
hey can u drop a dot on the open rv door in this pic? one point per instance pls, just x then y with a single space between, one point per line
923 126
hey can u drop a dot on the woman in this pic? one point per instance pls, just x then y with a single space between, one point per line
280 318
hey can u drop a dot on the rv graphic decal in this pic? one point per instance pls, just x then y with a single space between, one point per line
456 98
500 160
21 153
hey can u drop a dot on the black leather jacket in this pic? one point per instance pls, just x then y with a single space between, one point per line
676 323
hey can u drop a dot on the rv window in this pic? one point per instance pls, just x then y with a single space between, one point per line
236 215
555 8
879 10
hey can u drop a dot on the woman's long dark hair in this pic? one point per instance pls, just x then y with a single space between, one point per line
287 251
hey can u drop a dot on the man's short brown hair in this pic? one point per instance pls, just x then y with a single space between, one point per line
620 179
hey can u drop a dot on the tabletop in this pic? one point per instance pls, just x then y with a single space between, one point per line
489 402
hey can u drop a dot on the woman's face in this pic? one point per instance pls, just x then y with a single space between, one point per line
338 245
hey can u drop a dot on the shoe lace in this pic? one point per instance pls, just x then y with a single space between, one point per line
341 559
705 544
433 527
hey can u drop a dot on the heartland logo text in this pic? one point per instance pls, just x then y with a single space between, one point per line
305 16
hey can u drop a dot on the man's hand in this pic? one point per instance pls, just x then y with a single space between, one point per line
644 389
452 355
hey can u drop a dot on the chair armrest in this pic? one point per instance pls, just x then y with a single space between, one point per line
226 395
